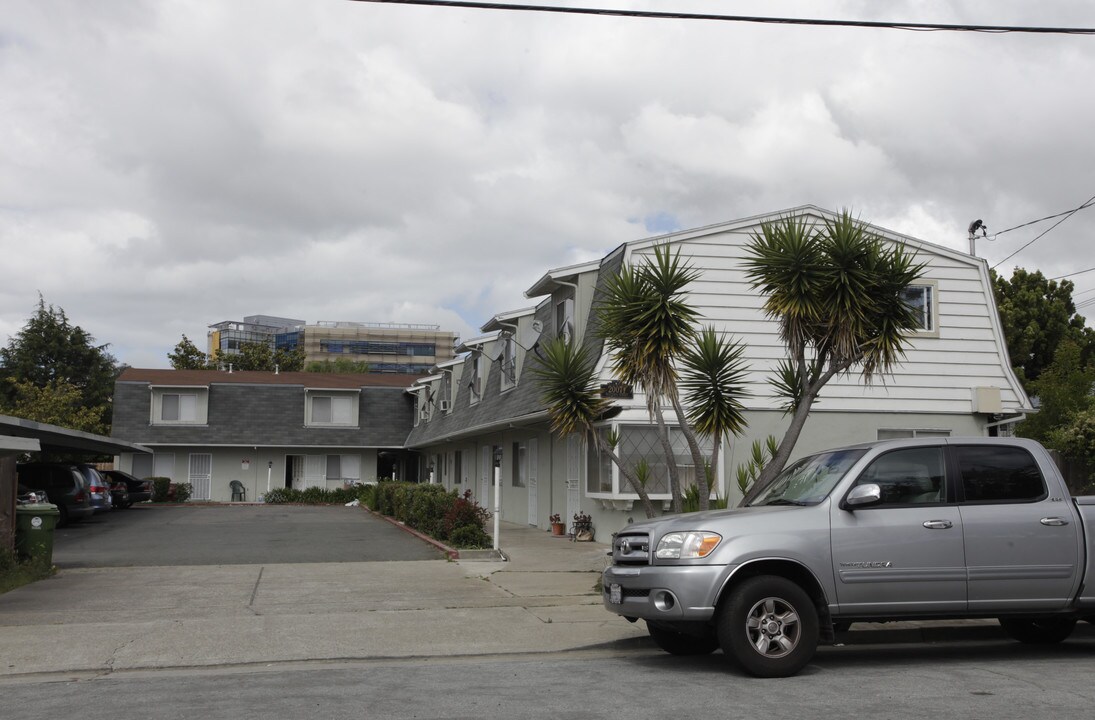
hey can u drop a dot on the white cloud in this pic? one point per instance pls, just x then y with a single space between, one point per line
168 165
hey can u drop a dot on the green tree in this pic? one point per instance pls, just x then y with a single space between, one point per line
52 352
568 386
259 356
713 383
836 292
187 356
1036 315
1063 389
338 365
58 403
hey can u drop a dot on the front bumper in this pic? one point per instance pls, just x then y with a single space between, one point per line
664 592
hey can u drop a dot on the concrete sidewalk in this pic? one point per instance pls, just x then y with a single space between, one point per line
96 620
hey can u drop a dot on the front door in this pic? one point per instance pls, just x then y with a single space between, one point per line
200 475
904 554
533 493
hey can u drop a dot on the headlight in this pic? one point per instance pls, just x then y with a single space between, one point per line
685 545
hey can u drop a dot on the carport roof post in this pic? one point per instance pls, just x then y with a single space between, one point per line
10 447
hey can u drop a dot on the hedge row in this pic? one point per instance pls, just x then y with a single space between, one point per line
455 519
451 518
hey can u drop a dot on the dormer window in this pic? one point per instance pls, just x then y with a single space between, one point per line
179 406
475 381
508 361
564 319
445 401
328 408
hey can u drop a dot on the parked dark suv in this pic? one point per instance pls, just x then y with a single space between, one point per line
64 485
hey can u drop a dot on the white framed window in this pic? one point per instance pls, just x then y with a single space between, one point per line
179 406
640 443
508 362
564 319
921 297
328 409
445 395
475 381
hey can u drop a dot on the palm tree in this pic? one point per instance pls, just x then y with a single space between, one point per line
646 324
713 380
568 386
837 294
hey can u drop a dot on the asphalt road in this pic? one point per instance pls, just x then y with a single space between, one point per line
146 535
999 680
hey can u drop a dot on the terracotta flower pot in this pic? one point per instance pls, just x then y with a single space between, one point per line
558 529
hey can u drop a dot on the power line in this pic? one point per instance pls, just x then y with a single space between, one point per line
1078 272
1087 203
655 15
1043 219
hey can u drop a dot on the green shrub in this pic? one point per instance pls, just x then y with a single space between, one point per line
183 491
314 495
161 486
470 537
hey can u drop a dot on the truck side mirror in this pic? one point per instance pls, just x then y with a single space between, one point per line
861 495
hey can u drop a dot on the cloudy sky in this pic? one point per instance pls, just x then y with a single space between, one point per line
165 165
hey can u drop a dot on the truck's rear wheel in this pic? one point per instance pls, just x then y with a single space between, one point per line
1038 631
677 643
769 626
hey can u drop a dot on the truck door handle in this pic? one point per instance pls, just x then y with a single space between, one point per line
938 524
1053 521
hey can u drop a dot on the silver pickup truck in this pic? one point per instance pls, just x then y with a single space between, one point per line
894 530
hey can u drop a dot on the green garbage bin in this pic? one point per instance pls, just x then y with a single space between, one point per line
34 531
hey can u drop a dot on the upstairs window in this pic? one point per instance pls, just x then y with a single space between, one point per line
921 299
331 410
475 381
508 361
564 319
179 407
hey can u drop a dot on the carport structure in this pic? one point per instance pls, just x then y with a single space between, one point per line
19 436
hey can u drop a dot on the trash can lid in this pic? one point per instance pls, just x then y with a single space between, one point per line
37 509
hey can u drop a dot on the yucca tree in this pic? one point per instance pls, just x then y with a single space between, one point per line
567 379
712 382
836 292
646 324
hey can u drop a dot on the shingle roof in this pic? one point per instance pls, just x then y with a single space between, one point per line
254 377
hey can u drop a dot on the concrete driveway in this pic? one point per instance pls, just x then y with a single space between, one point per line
154 535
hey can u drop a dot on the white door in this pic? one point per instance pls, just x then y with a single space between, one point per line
484 476
200 475
533 493
315 471
574 478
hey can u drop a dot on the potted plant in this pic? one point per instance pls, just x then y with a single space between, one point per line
558 527
583 527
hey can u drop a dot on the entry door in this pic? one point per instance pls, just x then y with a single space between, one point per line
533 493
574 477
484 476
200 475
315 471
906 553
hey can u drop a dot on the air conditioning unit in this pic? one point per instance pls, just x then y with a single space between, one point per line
446 406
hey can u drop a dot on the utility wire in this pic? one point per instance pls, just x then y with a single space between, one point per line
1047 217
1078 272
919 27
1087 203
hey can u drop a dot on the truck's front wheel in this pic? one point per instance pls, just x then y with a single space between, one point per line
769 626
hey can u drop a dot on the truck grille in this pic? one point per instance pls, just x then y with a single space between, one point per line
631 549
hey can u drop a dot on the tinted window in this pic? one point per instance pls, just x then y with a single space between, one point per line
999 474
909 476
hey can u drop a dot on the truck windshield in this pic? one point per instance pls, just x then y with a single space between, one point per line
809 480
